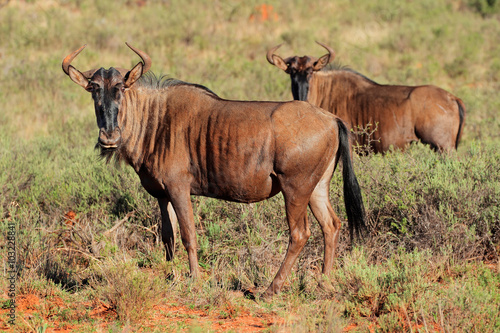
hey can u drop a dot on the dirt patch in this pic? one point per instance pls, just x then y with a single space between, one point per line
28 303
219 320
104 317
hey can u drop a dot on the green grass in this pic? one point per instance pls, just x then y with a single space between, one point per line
430 260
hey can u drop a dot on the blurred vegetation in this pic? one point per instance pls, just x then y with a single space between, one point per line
435 220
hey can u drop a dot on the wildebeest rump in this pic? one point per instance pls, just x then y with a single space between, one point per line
401 114
184 140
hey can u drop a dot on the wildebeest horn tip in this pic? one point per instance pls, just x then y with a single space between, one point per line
329 49
145 58
270 53
69 58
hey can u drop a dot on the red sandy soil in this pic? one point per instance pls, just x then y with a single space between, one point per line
163 314
237 320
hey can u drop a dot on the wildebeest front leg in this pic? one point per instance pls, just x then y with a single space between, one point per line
168 227
296 213
181 202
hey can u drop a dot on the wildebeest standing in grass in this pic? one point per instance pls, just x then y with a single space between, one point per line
401 114
184 140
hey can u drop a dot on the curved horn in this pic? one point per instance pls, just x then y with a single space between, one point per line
67 61
270 53
145 58
331 52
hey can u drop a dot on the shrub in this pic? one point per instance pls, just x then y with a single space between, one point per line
128 290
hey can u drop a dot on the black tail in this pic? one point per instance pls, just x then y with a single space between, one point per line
352 192
461 114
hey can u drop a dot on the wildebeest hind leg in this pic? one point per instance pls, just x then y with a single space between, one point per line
296 213
168 227
330 223
324 213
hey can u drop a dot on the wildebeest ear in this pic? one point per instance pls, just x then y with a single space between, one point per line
279 62
322 62
78 77
134 75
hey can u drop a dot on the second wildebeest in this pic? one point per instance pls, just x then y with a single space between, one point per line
400 114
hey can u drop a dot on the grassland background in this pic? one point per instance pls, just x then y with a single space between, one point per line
435 220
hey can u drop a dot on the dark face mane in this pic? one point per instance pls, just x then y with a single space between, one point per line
107 91
300 71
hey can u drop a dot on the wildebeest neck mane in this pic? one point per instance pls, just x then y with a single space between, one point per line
338 67
152 81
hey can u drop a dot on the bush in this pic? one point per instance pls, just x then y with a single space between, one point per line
129 291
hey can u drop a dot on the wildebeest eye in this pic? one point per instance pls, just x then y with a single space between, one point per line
119 88
93 87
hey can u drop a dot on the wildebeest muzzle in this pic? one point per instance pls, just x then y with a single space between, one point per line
109 139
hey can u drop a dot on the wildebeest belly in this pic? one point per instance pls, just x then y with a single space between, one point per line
232 157
247 190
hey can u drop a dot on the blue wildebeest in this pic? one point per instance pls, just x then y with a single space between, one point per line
182 140
401 114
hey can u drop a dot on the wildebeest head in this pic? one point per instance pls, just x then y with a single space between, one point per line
300 69
107 87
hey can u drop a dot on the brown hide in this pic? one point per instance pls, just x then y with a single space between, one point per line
224 149
183 140
401 114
